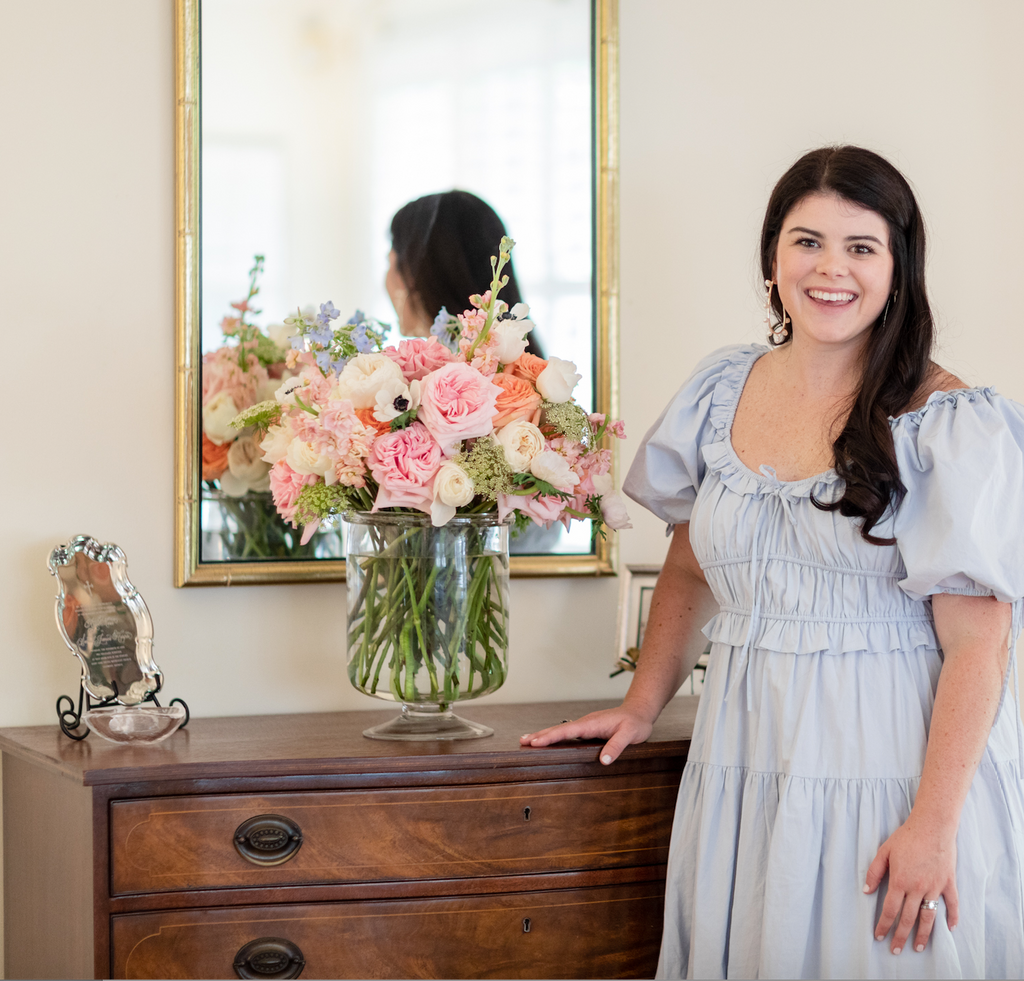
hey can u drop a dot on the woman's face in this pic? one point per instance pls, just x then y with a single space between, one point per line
834 270
412 322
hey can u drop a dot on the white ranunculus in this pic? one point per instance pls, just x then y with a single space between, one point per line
305 458
246 469
554 468
364 376
453 488
512 333
613 507
521 441
557 380
217 416
396 391
275 444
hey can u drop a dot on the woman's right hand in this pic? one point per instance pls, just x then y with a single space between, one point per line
620 726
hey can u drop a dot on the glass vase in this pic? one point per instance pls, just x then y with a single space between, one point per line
427 617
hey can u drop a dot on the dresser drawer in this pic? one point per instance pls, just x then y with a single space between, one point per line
174 843
598 932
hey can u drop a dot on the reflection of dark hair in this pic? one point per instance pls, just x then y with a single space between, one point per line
443 244
897 354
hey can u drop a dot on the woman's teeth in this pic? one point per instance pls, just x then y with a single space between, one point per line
831 297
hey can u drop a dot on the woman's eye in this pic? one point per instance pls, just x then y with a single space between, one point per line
807 243
863 250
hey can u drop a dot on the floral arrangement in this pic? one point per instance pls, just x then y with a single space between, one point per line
462 422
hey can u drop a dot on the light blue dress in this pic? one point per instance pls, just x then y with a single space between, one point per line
813 722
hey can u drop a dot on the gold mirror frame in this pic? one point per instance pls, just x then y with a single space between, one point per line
188 570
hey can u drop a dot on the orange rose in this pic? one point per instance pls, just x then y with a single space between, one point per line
215 458
518 399
365 416
527 366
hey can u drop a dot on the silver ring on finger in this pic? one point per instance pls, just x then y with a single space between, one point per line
932 904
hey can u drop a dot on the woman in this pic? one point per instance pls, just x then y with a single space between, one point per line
848 514
441 248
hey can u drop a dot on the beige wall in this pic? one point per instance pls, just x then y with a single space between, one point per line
716 99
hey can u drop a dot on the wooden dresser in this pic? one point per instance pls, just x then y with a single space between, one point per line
265 847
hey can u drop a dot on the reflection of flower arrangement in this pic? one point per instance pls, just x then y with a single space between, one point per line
247 370
464 421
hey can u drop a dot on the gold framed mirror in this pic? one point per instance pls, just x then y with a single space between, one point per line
196 277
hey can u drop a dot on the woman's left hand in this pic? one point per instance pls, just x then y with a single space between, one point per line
921 866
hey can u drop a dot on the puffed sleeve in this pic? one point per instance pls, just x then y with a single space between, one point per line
960 528
668 467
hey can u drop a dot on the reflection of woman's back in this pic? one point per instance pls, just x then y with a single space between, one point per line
441 248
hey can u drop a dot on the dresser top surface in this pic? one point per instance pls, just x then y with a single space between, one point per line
331 742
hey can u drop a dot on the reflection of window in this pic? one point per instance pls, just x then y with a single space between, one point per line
509 122
243 215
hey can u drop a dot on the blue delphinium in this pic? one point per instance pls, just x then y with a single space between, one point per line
446 329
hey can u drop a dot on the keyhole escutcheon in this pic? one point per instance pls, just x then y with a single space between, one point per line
526 924
526 813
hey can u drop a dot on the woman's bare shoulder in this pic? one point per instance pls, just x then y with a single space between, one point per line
936 379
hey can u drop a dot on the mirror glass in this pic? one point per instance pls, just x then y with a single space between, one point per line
319 119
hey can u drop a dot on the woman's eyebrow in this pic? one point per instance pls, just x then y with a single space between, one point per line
849 238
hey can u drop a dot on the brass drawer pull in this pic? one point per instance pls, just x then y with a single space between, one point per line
269 957
268 839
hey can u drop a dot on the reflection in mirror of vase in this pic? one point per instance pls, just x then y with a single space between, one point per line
318 121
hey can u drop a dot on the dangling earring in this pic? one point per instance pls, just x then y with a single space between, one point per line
777 333
885 314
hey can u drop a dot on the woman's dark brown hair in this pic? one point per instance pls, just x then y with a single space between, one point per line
897 354
443 244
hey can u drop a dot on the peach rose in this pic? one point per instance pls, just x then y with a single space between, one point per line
527 366
518 400
457 403
215 458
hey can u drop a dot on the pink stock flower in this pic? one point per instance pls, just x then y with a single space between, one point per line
404 464
419 356
285 487
351 441
222 373
543 509
457 403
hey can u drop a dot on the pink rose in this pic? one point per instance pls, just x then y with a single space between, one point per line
222 373
544 509
419 356
285 486
457 403
404 464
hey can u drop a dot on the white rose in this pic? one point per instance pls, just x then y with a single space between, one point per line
396 391
613 511
217 416
512 332
364 376
521 441
305 458
453 487
275 444
554 468
613 507
557 380
246 468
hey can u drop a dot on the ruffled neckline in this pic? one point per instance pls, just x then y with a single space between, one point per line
940 398
721 456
